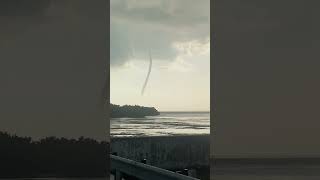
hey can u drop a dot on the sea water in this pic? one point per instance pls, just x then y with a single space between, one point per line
167 123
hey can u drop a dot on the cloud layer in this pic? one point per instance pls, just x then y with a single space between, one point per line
158 26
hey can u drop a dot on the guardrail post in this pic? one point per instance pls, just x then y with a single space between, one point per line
144 161
185 172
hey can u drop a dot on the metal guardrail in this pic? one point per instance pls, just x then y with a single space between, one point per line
142 171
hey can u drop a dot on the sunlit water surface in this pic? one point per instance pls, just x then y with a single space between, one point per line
167 123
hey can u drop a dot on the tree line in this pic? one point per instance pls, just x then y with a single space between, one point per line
132 111
22 157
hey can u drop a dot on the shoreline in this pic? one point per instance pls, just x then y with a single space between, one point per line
157 136
166 112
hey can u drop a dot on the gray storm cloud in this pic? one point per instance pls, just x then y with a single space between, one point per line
158 23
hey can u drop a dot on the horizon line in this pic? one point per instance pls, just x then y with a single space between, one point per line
186 111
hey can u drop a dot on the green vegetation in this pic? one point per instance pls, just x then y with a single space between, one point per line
132 111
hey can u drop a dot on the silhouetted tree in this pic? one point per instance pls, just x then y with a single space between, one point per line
52 157
132 111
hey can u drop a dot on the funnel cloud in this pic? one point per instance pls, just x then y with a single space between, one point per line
149 71
178 34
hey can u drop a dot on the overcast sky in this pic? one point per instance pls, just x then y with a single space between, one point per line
176 32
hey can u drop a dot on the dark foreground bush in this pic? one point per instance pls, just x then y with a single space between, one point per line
52 157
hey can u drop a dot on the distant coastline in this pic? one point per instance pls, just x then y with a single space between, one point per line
128 111
185 112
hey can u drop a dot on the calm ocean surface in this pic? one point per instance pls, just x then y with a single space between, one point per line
167 123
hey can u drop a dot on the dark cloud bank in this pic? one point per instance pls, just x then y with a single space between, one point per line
52 68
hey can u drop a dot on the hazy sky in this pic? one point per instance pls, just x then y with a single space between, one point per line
177 33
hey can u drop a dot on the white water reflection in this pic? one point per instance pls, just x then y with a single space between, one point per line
167 123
